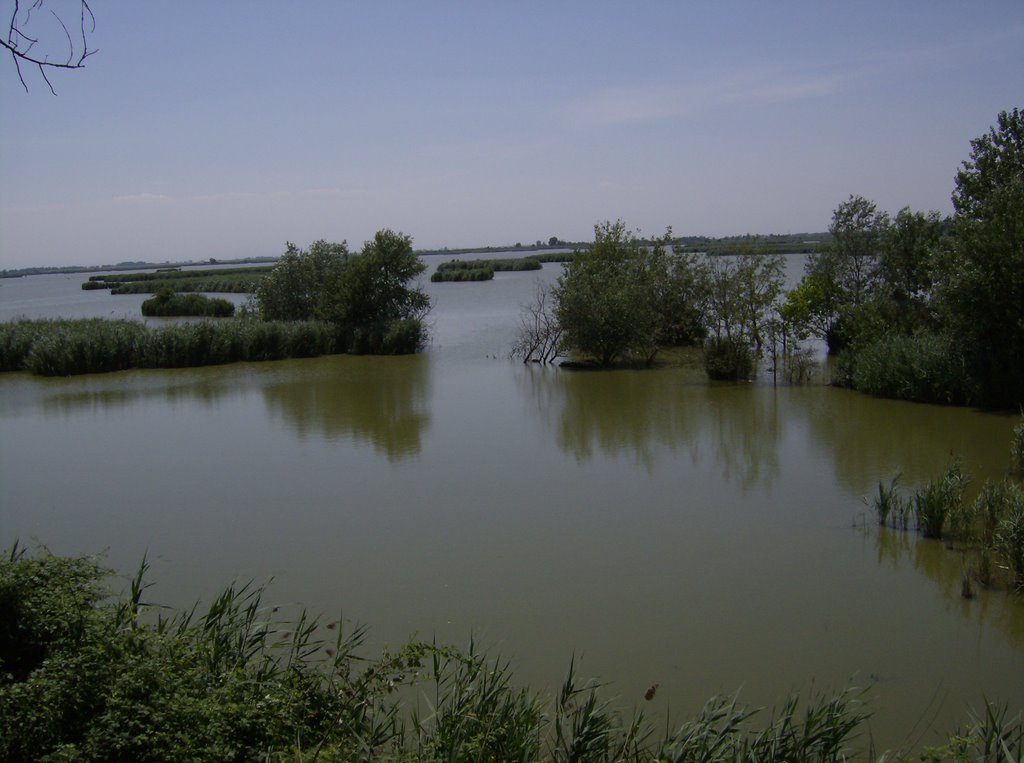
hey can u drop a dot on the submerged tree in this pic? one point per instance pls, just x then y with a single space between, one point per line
367 296
743 296
839 284
622 300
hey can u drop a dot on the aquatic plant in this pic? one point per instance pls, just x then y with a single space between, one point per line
81 346
1017 450
934 503
924 368
167 303
887 500
1009 536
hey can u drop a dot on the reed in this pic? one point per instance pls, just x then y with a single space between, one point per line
68 347
462 275
936 501
886 502
924 368
1009 535
167 303
510 264
1017 450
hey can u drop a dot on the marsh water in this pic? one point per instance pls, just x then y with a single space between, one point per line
705 537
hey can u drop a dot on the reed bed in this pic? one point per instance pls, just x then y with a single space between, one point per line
236 284
162 275
498 265
462 275
87 676
167 303
68 347
923 368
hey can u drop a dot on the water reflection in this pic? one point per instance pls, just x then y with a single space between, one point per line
945 566
648 414
869 439
382 401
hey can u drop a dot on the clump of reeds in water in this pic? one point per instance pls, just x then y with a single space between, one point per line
82 346
168 303
989 530
938 500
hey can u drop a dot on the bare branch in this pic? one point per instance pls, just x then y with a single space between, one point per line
26 33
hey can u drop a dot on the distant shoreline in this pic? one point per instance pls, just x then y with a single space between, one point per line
795 243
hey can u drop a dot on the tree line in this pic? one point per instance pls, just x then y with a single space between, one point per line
912 306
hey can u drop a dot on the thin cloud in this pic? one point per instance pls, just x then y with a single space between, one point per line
652 103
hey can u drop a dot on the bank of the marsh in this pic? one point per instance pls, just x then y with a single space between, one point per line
86 677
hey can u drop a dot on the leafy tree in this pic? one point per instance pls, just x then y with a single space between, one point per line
981 287
840 283
366 296
620 300
743 295
295 288
371 298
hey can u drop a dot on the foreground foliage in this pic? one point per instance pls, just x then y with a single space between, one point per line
87 677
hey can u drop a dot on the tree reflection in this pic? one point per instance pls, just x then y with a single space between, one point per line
651 414
379 400
869 439
946 567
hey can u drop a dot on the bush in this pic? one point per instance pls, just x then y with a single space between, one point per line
728 359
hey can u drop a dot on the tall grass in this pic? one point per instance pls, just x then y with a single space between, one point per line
509 264
938 500
923 368
89 677
67 347
167 303
1017 450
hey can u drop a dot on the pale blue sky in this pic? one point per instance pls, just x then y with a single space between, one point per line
223 129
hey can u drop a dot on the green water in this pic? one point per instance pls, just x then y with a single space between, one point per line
708 538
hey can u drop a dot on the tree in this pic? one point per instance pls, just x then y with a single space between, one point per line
367 296
981 281
371 298
839 282
33 28
619 300
743 294
295 289
539 334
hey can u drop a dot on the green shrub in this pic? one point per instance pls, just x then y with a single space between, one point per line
728 359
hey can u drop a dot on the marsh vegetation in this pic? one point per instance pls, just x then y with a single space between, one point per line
88 677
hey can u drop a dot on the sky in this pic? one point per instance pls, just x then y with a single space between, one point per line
225 129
